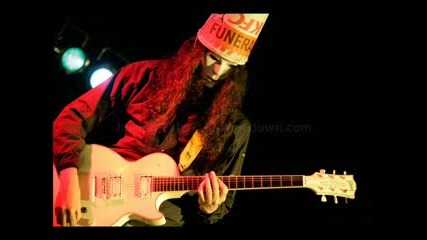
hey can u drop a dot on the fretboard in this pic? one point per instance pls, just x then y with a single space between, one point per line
191 183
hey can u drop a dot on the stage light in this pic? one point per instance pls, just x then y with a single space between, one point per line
105 65
78 62
69 47
98 76
73 59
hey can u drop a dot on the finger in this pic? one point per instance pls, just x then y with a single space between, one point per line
78 214
64 217
223 191
208 189
58 216
215 187
73 220
69 217
201 191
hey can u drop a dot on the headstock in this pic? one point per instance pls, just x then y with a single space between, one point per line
331 184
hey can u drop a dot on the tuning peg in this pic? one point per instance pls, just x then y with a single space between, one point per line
345 172
335 199
322 171
323 199
333 172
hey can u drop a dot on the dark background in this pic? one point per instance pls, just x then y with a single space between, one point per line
310 99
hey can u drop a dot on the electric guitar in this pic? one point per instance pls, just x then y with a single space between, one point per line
114 190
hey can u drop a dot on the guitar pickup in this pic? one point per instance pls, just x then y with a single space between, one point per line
108 187
143 186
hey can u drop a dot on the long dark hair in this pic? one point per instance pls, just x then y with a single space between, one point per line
178 87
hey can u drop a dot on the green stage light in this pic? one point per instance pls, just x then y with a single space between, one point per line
73 59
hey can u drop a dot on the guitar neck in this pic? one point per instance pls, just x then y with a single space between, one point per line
191 183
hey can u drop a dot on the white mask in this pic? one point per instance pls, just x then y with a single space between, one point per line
215 68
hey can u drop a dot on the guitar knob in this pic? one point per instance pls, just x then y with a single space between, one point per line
336 199
322 171
323 199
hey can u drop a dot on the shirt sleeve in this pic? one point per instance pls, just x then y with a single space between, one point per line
82 115
231 166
